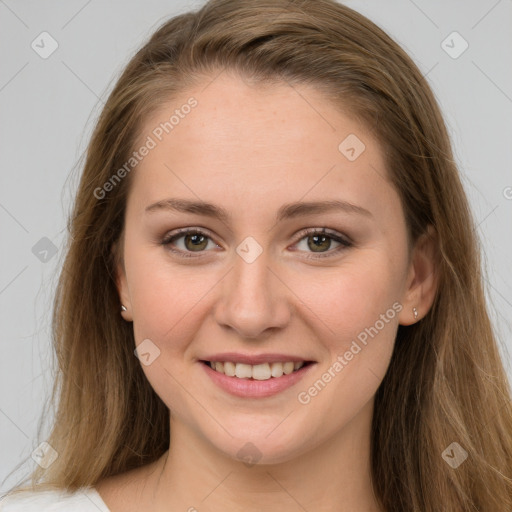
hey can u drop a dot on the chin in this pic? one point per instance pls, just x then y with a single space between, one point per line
263 444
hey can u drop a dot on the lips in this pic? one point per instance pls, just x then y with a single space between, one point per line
255 376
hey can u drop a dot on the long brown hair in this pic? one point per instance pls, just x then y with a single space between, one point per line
445 382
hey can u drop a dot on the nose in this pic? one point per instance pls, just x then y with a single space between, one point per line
254 301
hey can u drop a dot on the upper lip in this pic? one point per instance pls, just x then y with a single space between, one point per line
253 359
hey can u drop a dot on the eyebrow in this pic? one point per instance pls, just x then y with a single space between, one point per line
287 211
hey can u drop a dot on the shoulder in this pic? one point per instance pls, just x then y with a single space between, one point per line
82 500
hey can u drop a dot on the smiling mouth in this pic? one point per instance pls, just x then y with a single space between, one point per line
264 371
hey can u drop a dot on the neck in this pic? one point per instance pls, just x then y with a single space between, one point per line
333 476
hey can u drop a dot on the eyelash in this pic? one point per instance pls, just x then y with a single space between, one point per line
345 243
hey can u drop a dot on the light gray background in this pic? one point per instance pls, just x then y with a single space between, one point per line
48 107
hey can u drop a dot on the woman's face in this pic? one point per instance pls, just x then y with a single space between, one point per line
260 284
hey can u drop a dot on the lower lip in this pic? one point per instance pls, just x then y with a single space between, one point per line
251 388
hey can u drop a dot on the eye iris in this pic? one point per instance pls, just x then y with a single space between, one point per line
316 238
196 240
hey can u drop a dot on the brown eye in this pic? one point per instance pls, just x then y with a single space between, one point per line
195 242
317 243
320 242
188 241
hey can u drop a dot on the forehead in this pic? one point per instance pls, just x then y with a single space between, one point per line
263 144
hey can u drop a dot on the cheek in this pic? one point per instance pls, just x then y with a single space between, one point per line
345 384
164 297
166 303
347 302
356 312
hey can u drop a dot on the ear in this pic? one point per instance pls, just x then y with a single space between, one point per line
120 279
422 279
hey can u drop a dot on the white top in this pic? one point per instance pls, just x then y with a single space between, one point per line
86 499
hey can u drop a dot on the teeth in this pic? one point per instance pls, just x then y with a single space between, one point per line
262 371
229 368
276 369
242 371
287 368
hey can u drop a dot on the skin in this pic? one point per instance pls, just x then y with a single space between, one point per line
251 150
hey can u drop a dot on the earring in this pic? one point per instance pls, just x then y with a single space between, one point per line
415 311
123 308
